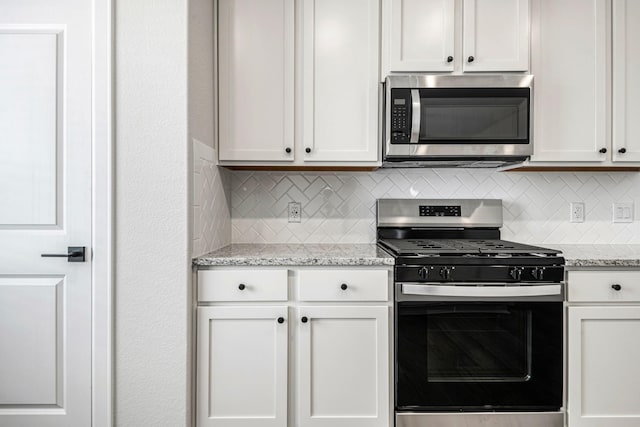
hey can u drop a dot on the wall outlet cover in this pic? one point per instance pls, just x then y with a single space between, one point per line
295 212
623 212
577 212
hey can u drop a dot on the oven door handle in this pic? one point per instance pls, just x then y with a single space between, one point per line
487 291
416 115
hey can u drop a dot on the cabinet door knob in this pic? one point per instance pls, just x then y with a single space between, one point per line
471 59
288 150
449 58
280 319
622 150
616 287
308 150
603 150
304 319
344 286
241 286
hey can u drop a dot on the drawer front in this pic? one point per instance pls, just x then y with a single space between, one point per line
242 285
604 286
343 285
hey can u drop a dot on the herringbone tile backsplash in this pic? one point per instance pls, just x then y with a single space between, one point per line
340 207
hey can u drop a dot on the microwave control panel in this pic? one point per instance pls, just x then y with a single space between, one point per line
400 116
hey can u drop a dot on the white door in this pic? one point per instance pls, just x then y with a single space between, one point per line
495 35
569 62
420 35
45 207
343 367
340 55
242 366
256 84
626 85
603 380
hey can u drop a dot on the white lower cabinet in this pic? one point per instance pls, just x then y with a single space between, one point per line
333 350
343 366
603 380
242 366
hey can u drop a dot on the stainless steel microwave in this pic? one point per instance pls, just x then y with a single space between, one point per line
453 120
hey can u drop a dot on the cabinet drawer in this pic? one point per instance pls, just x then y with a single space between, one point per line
343 285
599 286
242 285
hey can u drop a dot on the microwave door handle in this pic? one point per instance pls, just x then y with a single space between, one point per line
415 115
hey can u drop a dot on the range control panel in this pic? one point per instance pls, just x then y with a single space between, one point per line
440 210
400 116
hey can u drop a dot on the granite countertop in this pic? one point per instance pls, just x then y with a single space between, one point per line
596 255
579 255
298 254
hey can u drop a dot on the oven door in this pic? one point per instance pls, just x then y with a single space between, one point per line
478 356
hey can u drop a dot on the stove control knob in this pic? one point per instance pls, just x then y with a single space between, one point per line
516 273
445 273
423 273
538 273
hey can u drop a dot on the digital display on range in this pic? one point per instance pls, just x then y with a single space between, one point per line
440 211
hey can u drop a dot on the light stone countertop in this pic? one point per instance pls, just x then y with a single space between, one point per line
296 254
596 255
576 256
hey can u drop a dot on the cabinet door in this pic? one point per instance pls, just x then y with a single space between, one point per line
242 367
340 45
569 61
255 79
495 35
604 373
343 375
420 35
626 85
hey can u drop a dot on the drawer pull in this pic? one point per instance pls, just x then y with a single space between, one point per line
304 319
344 286
616 287
280 319
241 286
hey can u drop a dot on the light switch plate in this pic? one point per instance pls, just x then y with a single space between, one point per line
623 212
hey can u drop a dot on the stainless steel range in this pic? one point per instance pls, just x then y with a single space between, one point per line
478 320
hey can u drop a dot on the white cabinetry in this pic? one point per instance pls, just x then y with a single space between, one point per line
626 84
569 61
421 36
255 79
339 337
306 65
603 350
242 366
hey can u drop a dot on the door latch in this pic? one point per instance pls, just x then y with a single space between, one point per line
74 254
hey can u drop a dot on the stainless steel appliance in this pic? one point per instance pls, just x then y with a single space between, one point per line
478 320
464 121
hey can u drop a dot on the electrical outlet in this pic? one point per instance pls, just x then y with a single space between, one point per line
623 212
295 212
577 212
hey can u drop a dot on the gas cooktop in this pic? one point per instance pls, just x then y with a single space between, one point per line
463 247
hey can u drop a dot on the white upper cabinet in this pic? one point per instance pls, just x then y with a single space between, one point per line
340 57
422 35
569 61
626 84
495 35
455 35
256 80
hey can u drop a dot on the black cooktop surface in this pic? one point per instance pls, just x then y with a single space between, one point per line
463 247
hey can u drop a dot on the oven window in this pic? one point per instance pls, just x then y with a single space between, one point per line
473 115
478 345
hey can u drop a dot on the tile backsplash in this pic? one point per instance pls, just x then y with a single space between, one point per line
211 201
339 207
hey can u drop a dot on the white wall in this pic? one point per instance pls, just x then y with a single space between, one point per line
152 234
339 207
211 204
